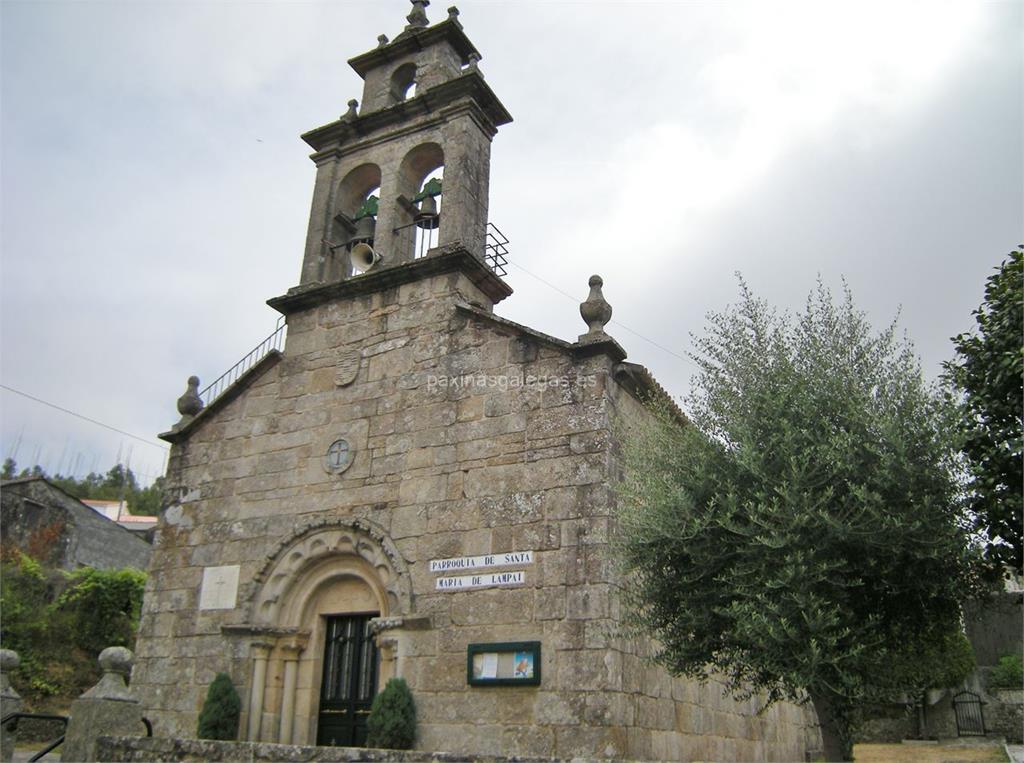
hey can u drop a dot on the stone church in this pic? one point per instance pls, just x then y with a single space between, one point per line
414 486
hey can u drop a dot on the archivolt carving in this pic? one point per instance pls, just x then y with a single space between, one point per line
364 545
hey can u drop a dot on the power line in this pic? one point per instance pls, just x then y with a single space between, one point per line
617 323
84 418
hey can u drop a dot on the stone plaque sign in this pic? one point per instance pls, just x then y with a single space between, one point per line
485 580
488 560
220 587
347 368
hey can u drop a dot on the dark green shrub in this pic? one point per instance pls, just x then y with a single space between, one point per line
392 721
219 717
1009 673
105 605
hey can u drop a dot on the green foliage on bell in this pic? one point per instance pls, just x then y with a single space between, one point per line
432 188
368 208
221 710
392 721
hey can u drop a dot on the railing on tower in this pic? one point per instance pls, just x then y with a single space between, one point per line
496 250
273 342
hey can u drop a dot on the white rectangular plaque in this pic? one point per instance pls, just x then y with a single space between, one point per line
220 587
475 562
489 665
483 580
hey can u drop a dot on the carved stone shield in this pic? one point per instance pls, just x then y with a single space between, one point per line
347 368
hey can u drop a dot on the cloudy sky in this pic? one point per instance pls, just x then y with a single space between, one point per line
155 191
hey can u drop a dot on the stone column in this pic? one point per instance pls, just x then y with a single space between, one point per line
107 709
260 653
292 649
388 649
10 702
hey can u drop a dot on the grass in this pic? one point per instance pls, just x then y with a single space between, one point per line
908 753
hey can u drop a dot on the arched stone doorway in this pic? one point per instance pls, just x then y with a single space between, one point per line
328 573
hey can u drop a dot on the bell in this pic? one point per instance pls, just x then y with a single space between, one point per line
428 218
365 228
363 257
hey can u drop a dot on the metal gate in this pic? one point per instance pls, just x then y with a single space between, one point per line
969 719
349 681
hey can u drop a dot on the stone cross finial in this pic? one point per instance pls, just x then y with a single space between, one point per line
352 112
382 40
418 17
595 311
453 14
190 403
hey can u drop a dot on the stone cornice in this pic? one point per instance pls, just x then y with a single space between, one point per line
517 327
638 381
601 344
469 86
412 41
443 259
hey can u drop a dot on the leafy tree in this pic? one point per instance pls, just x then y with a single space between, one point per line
801 535
392 720
989 371
10 469
223 707
59 636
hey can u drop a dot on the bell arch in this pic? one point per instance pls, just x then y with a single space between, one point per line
326 569
419 164
323 552
403 82
353 219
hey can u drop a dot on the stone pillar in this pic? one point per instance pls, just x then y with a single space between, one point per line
388 649
107 709
260 653
10 702
291 650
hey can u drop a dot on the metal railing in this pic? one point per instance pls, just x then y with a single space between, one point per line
273 342
10 722
496 250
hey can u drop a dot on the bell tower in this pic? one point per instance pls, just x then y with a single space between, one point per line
408 169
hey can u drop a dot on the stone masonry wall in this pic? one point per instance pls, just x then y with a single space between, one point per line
445 470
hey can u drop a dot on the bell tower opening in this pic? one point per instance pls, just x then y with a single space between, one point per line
403 82
420 141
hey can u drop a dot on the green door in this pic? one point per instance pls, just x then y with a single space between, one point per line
349 681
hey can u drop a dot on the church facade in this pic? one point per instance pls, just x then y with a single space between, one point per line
415 487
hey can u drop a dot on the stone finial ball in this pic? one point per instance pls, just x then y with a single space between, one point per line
193 381
117 659
9 659
595 280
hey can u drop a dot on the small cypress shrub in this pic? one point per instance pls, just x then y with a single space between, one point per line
392 720
221 710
